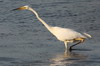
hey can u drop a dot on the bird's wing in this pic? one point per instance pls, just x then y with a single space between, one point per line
65 33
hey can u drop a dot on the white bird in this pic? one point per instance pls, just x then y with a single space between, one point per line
63 34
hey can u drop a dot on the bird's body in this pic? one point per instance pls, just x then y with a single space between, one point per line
63 34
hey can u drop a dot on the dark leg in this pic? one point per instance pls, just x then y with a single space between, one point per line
70 49
81 40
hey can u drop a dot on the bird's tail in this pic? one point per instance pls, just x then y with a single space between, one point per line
87 35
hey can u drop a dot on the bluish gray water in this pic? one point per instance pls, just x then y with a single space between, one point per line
24 41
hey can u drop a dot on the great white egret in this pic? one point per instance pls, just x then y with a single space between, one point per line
63 34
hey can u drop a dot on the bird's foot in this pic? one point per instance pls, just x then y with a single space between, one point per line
70 49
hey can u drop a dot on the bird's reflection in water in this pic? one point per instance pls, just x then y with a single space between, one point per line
67 59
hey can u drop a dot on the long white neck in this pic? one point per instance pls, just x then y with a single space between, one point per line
42 21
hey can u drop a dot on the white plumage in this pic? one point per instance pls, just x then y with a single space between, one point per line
63 34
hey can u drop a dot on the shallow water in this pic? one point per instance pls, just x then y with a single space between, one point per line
24 41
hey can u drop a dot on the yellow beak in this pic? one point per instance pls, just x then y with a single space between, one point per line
20 8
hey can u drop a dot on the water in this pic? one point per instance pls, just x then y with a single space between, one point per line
24 41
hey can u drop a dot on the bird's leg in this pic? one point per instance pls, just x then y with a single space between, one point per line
74 45
66 46
81 40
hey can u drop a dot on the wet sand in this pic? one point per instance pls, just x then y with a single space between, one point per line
24 41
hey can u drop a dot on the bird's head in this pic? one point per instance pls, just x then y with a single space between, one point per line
22 8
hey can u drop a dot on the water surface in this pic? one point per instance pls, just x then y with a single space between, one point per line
24 41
